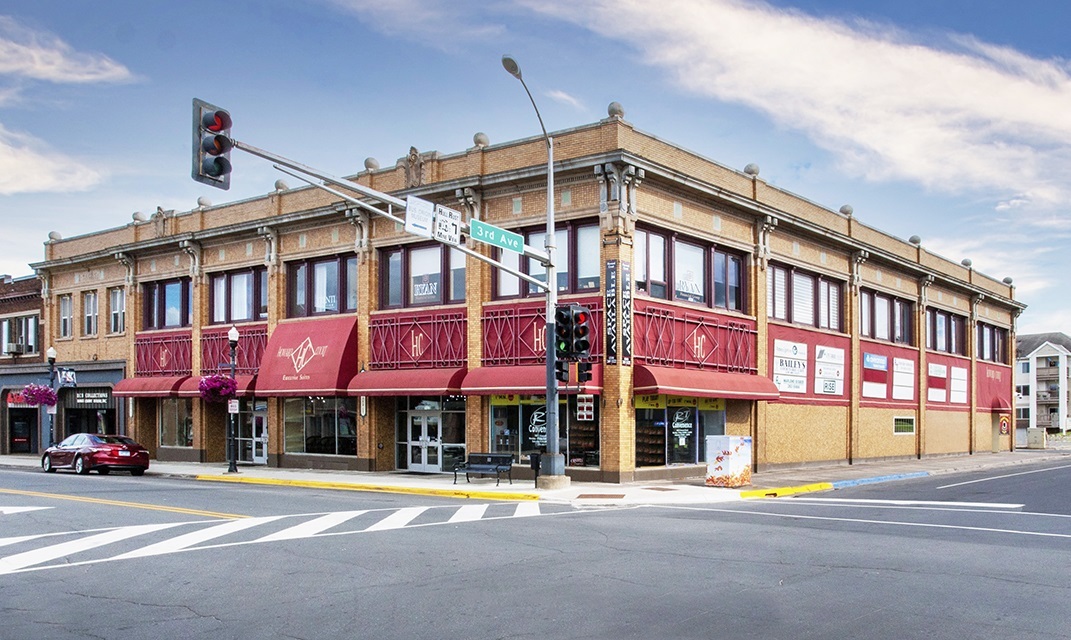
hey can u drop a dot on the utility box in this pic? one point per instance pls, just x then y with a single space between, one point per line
1035 438
728 461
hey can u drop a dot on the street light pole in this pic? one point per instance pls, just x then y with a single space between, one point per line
51 355
552 465
232 435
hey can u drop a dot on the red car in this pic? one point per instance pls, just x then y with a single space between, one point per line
85 452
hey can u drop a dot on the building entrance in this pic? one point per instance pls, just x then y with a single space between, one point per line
425 442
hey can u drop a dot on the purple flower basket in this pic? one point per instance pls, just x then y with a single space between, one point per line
39 394
217 388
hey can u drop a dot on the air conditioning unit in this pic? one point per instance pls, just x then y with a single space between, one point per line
15 348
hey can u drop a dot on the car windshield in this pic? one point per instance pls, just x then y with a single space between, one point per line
99 439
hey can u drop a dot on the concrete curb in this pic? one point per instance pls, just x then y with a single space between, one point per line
380 488
786 491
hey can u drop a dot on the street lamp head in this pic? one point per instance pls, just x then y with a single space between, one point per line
510 65
233 335
51 354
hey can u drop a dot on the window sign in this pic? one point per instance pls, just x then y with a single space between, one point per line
790 366
828 371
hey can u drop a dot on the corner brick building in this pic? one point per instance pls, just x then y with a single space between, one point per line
722 306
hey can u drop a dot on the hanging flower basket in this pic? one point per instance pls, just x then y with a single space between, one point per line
217 388
38 394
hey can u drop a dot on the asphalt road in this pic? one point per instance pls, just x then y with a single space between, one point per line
954 556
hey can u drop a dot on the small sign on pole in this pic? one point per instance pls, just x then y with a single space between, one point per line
232 406
447 225
419 214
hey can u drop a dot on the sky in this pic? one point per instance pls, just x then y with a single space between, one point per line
948 120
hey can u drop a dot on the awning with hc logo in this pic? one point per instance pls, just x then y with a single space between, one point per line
408 382
647 379
316 357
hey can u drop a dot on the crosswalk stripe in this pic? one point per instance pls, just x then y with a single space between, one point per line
38 556
469 512
179 543
312 527
526 509
17 539
398 519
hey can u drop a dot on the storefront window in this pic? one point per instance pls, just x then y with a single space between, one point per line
320 425
176 422
518 427
673 429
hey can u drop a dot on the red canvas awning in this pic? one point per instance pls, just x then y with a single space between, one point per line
309 358
191 388
702 384
528 380
151 387
407 382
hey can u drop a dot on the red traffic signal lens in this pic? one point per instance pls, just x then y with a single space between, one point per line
580 317
216 121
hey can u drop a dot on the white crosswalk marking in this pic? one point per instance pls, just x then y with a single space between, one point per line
37 556
7 510
526 509
398 519
469 512
197 537
312 527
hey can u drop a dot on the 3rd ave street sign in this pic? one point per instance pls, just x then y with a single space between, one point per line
490 234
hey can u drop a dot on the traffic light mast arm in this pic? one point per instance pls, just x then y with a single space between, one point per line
297 168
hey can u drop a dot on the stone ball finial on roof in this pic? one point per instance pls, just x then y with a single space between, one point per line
752 169
847 210
371 164
1008 281
915 240
615 110
480 139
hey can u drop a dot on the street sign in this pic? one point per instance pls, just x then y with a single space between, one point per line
419 214
447 225
490 234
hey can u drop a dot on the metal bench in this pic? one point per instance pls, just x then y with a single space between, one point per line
486 464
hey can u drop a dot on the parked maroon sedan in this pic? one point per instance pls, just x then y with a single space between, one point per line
85 452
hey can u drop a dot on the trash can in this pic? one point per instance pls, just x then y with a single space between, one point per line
534 459
728 461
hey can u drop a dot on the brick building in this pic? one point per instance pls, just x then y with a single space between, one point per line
722 305
21 362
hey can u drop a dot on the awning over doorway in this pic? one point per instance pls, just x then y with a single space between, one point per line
523 380
408 382
309 358
702 384
191 387
149 387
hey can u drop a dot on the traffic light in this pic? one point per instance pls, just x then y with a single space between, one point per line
583 372
563 332
580 325
212 144
561 371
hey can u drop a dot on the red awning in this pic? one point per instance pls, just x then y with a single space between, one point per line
191 387
702 384
528 380
154 387
309 358
407 382
1001 404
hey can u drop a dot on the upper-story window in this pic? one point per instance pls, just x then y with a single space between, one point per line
421 275
90 313
945 331
239 296
20 333
319 286
577 257
801 297
687 270
168 303
885 317
992 343
66 316
116 310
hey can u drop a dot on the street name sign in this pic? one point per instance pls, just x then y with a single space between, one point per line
490 234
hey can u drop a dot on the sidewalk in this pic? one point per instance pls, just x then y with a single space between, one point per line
765 483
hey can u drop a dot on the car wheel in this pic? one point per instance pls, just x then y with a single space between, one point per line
46 464
80 465
104 471
137 472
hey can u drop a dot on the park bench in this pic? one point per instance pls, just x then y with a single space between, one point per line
486 464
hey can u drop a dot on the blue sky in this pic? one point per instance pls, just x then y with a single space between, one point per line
949 120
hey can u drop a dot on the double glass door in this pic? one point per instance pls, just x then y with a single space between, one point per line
425 442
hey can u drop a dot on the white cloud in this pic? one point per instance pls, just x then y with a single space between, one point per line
441 25
27 166
566 99
956 116
36 55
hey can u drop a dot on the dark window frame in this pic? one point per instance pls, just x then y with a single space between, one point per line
901 314
818 282
953 326
403 252
991 344
154 314
715 295
572 280
306 271
261 292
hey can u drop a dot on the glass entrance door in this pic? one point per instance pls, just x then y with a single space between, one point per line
425 443
260 437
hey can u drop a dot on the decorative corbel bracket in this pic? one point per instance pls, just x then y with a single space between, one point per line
361 243
193 249
924 285
471 202
763 229
858 258
270 236
127 261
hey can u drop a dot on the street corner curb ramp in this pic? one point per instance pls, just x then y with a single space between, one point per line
379 488
781 492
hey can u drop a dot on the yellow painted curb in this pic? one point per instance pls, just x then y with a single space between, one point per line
786 491
381 488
